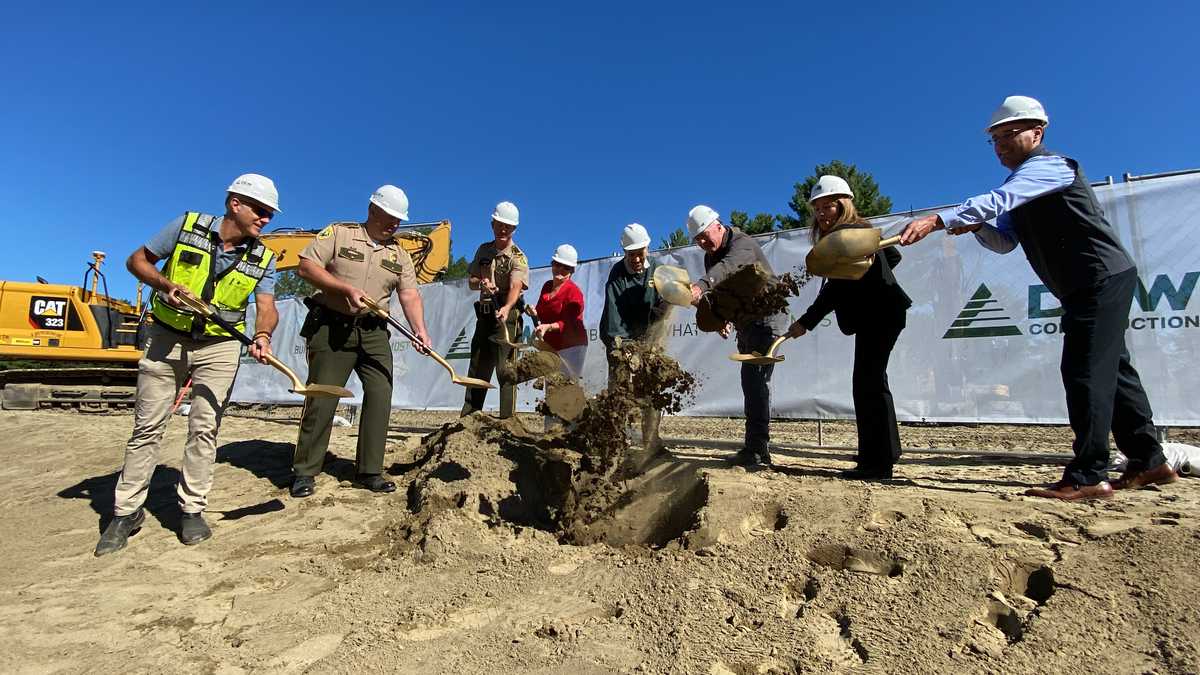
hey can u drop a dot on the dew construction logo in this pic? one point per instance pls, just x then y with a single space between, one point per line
461 347
984 316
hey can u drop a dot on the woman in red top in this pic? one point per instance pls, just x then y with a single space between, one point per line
560 312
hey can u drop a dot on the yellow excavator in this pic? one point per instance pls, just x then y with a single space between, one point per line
80 325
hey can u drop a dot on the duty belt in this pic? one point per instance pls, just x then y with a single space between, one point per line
326 315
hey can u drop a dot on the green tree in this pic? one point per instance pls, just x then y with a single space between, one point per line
457 269
288 284
867 198
676 239
762 222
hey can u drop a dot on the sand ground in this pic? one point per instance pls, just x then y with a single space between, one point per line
792 570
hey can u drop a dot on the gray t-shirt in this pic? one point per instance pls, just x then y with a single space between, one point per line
162 243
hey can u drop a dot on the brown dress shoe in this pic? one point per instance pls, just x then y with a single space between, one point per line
1159 475
1070 493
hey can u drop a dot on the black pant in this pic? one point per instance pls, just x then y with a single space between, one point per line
874 409
485 355
1104 391
756 385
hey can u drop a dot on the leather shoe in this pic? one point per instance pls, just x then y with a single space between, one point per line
864 473
194 530
116 535
1159 475
374 482
1070 492
303 486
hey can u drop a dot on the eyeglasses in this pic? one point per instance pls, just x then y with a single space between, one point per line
1007 136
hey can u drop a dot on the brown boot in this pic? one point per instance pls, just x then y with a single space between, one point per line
1069 492
1159 475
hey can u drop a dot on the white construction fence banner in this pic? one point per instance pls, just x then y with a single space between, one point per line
983 341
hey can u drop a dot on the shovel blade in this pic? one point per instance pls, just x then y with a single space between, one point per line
472 383
323 391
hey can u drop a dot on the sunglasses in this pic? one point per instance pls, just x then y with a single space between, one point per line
258 209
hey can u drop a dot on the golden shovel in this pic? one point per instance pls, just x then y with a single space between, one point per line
845 253
504 339
756 359
309 390
673 284
471 382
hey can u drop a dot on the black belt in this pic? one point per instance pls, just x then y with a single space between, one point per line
332 316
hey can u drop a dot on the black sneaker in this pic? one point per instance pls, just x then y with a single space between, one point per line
194 530
116 535
303 486
374 482
751 458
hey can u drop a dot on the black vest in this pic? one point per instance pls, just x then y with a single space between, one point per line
1066 237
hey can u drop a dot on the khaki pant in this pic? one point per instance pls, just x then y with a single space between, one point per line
169 360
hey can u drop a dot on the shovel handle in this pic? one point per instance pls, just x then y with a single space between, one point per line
890 241
379 312
197 305
204 308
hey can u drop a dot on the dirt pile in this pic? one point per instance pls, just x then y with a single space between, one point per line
530 366
748 295
564 481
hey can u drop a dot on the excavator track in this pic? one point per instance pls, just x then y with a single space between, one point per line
82 389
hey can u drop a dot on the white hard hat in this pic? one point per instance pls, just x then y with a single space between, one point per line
392 200
634 236
507 213
1018 108
828 186
566 255
258 188
699 218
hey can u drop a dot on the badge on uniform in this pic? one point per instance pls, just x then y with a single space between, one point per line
351 254
325 233
392 266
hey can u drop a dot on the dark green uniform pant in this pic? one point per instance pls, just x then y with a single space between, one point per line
485 354
334 349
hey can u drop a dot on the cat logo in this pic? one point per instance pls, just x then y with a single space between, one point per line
47 313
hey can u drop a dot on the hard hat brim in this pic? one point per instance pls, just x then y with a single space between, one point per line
506 221
1017 118
568 263
636 245
274 207
392 212
830 194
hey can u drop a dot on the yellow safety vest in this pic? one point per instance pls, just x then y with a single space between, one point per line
191 266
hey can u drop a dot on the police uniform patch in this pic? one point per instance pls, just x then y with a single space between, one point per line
325 233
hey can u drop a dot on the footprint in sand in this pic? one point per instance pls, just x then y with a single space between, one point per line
881 520
851 559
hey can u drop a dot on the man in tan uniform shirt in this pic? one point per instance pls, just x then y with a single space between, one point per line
346 262
500 272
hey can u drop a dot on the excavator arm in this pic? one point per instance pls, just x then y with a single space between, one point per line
427 243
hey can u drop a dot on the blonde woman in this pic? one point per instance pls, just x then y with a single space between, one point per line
872 309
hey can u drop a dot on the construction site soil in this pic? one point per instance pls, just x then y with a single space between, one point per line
502 551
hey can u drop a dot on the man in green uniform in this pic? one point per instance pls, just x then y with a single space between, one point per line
346 262
221 261
500 272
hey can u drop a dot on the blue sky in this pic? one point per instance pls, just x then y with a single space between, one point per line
116 119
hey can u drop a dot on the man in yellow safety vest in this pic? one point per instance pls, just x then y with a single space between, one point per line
222 261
